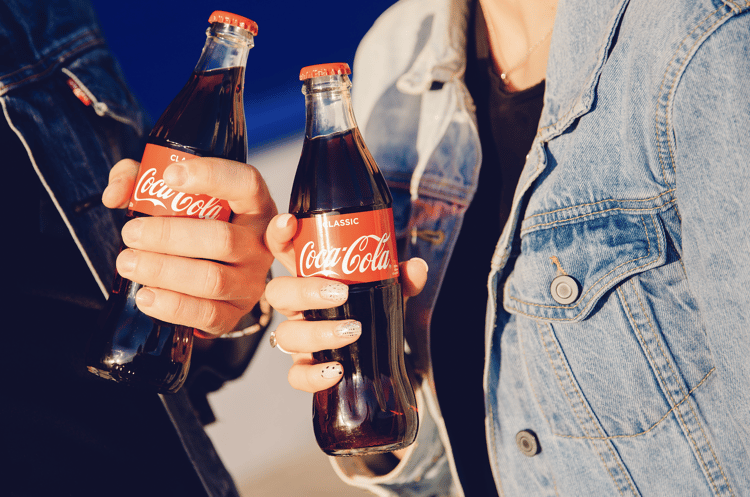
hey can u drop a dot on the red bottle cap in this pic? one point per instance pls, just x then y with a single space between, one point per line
234 20
319 70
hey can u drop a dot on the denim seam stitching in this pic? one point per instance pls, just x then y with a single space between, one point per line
531 382
507 235
623 209
664 382
596 203
571 402
494 444
601 60
650 428
682 392
539 403
739 9
604 287
53 54
554 484
667 116
586 409
6 88
492 435
670 95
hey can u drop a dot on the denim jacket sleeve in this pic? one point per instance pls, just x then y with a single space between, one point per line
710 147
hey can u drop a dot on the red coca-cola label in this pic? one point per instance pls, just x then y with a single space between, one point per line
153 197
351 248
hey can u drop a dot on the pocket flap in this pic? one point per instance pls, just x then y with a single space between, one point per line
596 253
98 77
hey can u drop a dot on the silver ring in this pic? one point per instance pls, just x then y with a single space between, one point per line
275 344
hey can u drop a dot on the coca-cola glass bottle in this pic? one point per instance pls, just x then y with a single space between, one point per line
206 119
345 233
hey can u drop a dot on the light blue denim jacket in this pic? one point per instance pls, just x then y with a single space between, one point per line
636 187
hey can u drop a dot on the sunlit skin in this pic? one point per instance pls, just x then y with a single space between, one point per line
522 24
205 274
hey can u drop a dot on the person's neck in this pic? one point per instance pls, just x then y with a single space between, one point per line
519 34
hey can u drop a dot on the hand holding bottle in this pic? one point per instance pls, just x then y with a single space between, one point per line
201 273
345 234
194 274
291 296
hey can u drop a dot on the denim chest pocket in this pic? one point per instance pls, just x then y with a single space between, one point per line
606 355
95 79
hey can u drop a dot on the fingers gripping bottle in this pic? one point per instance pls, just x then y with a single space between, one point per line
206 119
345 233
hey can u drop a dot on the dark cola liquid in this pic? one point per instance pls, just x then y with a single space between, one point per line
372 409
205 119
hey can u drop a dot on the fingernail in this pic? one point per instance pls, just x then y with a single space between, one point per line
145 297
109 190
126 261
131 232
332 371
283 220
424 263
349 329
337 292
175 175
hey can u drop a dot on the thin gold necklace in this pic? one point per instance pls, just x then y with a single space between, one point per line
505 73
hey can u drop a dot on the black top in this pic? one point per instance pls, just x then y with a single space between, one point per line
507 126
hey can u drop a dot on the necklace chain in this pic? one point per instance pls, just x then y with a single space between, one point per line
531 50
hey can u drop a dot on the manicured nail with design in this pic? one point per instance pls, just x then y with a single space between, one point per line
337 292
332 371
349 329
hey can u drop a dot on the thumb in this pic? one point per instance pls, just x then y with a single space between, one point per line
279 234
413 276
121 182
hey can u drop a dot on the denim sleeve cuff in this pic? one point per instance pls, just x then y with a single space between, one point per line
423 471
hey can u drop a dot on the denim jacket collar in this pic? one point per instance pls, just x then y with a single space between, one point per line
443 57
575 63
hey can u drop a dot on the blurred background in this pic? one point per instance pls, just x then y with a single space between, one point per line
263 431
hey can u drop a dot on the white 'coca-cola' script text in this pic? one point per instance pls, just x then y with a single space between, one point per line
356 257
149 189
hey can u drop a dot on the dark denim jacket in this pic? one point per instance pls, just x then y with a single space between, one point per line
64 96
71 144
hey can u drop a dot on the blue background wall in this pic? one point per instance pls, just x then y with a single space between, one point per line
159 42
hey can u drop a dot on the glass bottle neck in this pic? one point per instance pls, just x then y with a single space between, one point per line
226 46
328 104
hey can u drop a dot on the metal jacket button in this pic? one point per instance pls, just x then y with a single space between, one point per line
527 443
564 289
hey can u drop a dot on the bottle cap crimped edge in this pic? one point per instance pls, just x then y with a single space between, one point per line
319 70
234 20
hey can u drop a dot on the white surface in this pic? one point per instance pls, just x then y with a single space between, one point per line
263 431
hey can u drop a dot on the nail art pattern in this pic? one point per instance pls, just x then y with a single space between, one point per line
332 371
336 292
349 329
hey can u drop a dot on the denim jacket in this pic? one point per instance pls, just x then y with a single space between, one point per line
64 96
618 324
